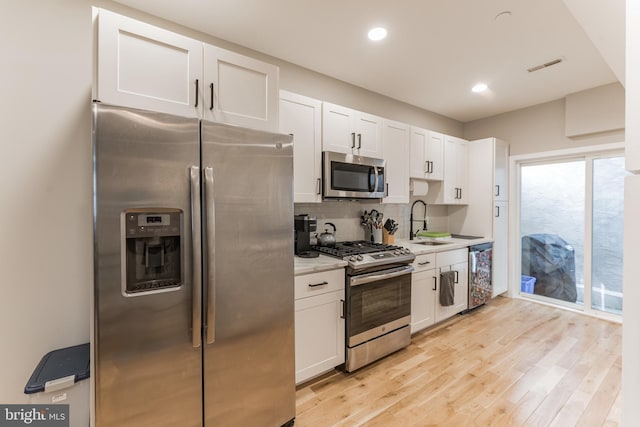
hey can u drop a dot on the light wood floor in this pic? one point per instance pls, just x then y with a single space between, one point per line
510 363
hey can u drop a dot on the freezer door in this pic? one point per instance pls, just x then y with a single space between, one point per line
147 370
249 313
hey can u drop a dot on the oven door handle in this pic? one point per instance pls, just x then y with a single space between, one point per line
380 275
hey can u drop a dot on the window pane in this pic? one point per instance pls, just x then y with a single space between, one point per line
608 206
552 206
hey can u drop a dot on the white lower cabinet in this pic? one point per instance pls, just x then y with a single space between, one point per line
425 287
423 292
319 323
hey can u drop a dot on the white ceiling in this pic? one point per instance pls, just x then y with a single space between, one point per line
435 52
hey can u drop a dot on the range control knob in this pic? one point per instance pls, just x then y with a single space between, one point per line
359 257
407 250
397 252
352 258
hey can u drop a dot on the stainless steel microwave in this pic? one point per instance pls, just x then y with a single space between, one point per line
347 176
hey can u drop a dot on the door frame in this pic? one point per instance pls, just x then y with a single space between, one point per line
515 162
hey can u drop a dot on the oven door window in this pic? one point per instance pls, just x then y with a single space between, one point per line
378 303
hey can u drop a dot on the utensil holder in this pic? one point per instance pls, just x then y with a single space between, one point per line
388 239
376 235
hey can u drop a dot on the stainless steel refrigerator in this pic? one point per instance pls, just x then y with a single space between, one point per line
193 272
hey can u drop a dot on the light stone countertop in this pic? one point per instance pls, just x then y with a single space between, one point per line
326 263
314 265
450 244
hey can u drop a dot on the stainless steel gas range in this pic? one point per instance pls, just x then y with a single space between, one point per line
378 299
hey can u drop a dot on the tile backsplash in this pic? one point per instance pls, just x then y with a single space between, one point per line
346 216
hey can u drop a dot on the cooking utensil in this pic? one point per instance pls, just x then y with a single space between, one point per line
327 238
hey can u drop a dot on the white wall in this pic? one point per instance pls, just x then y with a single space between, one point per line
45 183
540 128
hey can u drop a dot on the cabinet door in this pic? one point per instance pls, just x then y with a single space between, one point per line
143 66
500 253
301 117
462 171
319 334
395 139
418 164
423 299
239 90
461 296
368 135
435 156
450 187
460 293
338 133
501 171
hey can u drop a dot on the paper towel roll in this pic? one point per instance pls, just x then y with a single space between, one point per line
419 187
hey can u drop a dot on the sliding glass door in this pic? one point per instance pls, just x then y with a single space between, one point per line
607 234
571 213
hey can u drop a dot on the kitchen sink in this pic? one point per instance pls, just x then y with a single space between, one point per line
430 243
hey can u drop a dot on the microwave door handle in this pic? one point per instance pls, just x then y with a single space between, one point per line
375 182
196 283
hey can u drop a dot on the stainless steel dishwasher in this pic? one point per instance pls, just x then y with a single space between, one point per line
480 277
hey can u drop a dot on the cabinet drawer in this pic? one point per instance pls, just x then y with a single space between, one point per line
319 283
452 257
424 262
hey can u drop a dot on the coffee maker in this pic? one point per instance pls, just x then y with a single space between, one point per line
304 225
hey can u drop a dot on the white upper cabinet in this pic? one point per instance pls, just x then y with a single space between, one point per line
426 154
239 90
501 170
143 66
301 117
454 189
395 143
351 132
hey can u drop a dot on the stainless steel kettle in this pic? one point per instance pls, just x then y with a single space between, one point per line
327 238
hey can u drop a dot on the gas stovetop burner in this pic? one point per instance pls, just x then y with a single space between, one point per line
363 254
357 247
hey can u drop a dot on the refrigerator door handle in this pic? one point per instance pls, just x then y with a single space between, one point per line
210 321
196 224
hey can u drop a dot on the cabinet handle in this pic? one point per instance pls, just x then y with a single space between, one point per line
318 186
497 211
197 90
456 280
430 167
353 140
359 141
497 190
386 190
435 283
426 166
461 193
211 87
342 314
318 284
424 263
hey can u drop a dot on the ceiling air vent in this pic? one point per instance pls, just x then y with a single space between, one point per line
545 65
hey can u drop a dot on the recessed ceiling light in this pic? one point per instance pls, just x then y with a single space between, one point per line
480 87
377 33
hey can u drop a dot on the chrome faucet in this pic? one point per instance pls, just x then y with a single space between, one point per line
424 219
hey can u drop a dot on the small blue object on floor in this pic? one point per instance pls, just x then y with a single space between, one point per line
527 283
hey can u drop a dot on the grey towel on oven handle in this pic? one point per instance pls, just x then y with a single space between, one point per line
447 288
